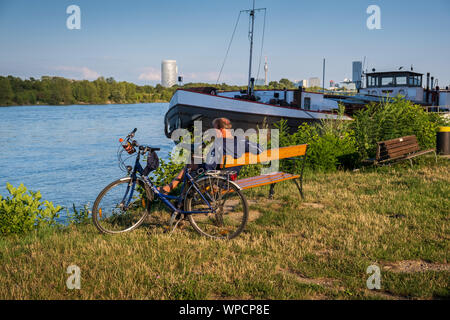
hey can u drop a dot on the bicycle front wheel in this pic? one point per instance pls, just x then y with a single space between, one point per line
230 209
121 207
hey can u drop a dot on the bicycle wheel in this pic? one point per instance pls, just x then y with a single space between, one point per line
230 209
110 212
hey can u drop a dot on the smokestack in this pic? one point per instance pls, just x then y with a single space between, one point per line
432 83
427 95
323 78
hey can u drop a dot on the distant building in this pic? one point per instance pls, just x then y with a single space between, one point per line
348 85
314 82
169 71
357 74
304 83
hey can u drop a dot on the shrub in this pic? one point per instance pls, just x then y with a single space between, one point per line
390 120
79 216
166 172
23 211
330 145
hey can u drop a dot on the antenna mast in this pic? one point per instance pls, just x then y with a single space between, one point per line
250 34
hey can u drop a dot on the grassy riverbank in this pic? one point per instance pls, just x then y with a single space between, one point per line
395 217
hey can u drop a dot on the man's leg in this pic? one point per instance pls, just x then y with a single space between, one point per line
175 182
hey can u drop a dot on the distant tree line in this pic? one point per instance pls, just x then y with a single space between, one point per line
61 91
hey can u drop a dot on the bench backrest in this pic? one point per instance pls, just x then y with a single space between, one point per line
396 148
265 156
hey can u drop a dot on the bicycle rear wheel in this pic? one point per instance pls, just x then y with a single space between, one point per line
114 212
230 209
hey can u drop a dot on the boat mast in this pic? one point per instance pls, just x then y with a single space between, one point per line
250 33
252 17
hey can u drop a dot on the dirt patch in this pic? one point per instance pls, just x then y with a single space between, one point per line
313 205
323 282
221 297
334 284
409 266
253 215
384 295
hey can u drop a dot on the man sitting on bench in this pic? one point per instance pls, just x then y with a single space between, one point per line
231 145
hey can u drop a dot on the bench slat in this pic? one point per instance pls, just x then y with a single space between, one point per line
262 180
399 144
392 153
261 177
265 156
398 140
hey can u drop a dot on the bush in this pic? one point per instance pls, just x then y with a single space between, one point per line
166 172
390 120
23 211
331 146
79 216
335 144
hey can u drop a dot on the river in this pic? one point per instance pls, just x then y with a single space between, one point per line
69 153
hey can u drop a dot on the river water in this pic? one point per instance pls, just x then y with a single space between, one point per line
69 152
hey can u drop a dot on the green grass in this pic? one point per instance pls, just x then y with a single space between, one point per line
318 248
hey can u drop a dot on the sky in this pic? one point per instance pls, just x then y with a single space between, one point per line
128 39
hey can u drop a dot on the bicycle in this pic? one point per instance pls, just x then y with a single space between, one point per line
212 203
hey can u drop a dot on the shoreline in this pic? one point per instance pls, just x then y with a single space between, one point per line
78 104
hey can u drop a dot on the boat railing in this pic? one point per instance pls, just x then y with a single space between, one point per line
437 109
338 93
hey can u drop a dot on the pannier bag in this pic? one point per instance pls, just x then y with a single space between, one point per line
152 163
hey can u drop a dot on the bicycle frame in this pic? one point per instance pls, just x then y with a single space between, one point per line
187 178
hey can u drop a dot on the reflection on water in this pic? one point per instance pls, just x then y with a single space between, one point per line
69 152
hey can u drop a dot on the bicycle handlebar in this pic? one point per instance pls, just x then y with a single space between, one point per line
134 143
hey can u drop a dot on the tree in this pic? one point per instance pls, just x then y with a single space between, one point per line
6 93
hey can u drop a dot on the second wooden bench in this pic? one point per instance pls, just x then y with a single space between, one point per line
404 148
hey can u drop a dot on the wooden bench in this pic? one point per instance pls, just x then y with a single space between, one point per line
288 153
404 148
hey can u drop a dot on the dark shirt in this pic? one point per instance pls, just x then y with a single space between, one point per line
234 147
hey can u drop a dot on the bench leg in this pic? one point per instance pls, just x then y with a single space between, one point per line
271 191
299 187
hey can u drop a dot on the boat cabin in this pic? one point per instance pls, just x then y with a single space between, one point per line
393 83
299 99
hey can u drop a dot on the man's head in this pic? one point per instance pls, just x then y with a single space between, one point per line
221 123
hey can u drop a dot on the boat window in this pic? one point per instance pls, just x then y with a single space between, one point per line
372 81
387 81
400 81
415 81
307 103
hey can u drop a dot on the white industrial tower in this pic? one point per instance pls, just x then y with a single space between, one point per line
266 68
169 71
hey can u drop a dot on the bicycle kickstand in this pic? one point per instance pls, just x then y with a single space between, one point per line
172 227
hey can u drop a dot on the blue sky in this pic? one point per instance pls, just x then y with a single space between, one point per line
128 39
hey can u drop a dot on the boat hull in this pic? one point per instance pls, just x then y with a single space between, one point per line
187 107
